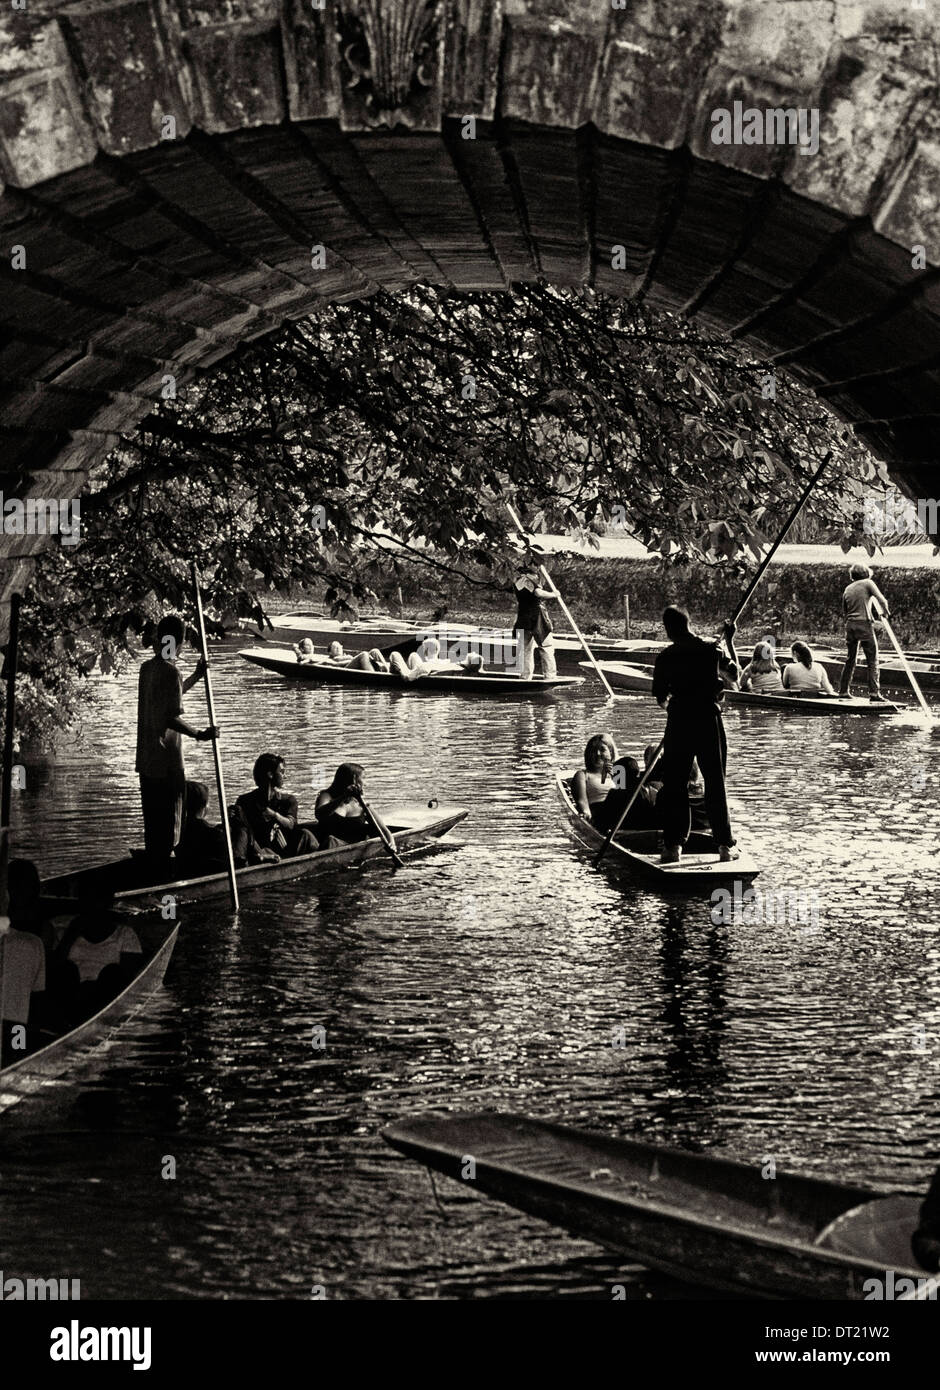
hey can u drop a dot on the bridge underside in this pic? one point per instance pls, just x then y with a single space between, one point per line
159 259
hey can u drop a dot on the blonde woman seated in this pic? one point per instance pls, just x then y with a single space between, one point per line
804 676
762 674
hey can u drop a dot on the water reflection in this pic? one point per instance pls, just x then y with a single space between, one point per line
494 975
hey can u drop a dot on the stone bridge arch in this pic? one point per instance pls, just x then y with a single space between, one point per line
167 167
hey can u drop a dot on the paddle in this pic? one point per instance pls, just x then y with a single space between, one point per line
742 604
6 789
378 830
564 607
880 617
210 704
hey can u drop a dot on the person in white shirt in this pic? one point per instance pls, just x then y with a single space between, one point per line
22 977
762 674
857 603
804 676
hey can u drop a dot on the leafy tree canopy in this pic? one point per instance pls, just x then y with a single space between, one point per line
400 426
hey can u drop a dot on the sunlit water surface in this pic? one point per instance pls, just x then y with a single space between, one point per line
493 974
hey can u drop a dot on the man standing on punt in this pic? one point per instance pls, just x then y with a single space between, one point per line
160 724
687 684
860 630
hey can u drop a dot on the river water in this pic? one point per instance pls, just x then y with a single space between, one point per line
492 974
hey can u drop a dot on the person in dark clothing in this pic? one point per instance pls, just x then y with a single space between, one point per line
925 1241
26 910
625 775
687 683
160 724
533 626
341 814
264 824
201 849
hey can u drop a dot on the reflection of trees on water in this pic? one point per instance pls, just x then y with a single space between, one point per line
693 958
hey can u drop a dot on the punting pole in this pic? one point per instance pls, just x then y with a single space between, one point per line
6 787
6 794
375 825
877 614
742 604
210 704
564 608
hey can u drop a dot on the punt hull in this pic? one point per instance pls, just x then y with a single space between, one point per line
36 1070
710 1221
324 673
926 670
498 645
637 680
414 828
695 870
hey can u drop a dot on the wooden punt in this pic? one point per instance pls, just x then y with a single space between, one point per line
926 668
286 664
623 675
38 1069
637 853
414 827
709 1221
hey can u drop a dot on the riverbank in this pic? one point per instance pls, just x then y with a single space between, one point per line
797 598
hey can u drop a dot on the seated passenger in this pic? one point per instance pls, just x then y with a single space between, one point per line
762 674
592 785
201 849
626 776
22 986
369 661
335 653
97 956
264 822
803 675
341 816
472 664
423 662
26 912
304 651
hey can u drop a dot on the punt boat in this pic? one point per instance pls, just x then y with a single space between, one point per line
414 827
285 663
623 675
388 634
36 1070
708 1221
637 853
926 668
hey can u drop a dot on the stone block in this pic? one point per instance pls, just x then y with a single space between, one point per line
236 75
44 131
129 72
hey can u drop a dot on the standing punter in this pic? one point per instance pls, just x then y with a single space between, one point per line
860 630
160 724
533 625
687 684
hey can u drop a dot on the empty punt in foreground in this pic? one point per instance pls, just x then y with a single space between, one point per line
637 853
709 1221
285 663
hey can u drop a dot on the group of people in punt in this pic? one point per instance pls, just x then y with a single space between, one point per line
690 677
54 973
264 823
426 660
